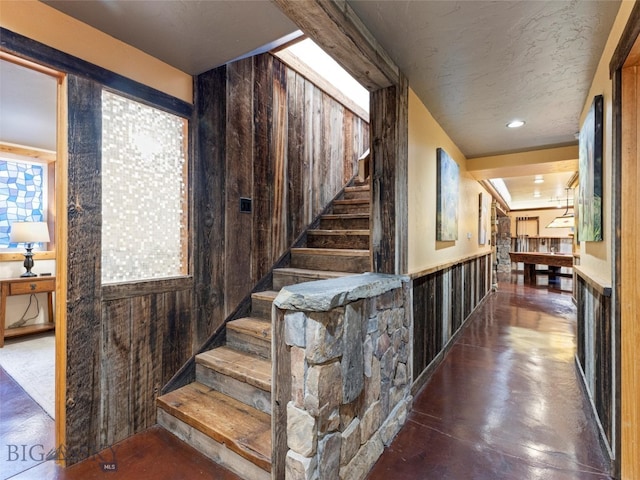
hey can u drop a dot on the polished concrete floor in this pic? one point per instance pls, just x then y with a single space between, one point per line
505 404
26 431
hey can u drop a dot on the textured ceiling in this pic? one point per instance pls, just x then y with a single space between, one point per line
477 65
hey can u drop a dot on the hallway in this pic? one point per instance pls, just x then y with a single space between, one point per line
505 404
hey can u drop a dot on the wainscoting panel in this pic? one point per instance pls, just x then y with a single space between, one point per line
595 349
443 298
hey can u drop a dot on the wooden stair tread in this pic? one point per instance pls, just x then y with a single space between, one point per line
243 429
319 274
357 188
338 232
242 366
352 201
291 276
265 295
345 216
254 326
345 252
359 220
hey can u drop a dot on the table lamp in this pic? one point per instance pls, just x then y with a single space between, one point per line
29 233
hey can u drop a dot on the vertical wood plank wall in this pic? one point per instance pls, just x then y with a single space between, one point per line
268 134
389 158
595 351
442 301
209 201
146 337
263 132
85 365
119 346
123 341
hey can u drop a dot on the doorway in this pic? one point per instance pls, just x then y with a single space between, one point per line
629 257
33 154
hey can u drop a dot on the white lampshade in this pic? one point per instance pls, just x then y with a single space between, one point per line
29 232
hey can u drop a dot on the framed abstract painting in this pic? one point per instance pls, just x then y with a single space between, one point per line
448 186
484 205
590 192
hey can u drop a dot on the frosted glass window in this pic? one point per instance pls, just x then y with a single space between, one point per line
22 196
144 192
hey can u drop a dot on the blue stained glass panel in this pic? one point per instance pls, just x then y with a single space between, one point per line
21 196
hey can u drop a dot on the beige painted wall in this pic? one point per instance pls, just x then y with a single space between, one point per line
546 217
47 25
425 136
595 257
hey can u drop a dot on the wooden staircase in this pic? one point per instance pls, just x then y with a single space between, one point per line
225 413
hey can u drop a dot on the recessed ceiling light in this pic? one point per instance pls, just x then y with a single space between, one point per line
515 124
536 194
538 179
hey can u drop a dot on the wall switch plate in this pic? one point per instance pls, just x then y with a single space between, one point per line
245 205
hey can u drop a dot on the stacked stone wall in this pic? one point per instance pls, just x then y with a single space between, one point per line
350 376
503 244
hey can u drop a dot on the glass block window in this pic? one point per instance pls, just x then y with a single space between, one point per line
144 192
22 196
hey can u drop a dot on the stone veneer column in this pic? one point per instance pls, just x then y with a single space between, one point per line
349 342
503 246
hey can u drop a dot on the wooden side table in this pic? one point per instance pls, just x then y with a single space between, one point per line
25 286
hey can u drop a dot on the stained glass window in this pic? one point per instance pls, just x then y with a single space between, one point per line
21 196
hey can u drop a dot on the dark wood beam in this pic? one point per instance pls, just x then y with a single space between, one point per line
389 189
627 41
335 27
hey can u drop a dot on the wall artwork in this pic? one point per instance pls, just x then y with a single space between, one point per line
590 187
483 217
447 202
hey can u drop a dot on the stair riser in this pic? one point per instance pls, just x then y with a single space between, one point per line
217 452
281 280
325 262
261 308
360 194
344 224
241 391
248 343
351 208
338 241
